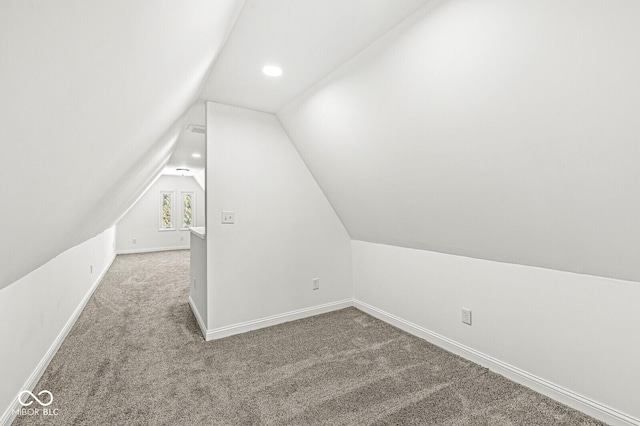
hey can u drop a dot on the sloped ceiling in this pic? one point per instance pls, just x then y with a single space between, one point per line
92 99
489 128
307 38
495 129
189 143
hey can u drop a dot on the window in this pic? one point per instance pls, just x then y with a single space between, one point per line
188 202
166 210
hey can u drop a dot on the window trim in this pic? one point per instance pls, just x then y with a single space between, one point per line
160 210
193 209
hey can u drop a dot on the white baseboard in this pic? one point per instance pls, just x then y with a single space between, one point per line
230 330
196 313
558 393
8 416
153 249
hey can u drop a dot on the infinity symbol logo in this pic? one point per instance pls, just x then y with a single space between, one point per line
26 404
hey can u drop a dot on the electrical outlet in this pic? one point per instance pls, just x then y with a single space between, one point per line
181 238
113 244
466 316
228 217
134 241
316 283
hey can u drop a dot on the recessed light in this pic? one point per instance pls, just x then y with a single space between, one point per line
272 70
196 155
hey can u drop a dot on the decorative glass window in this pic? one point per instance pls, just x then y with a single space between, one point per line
188 200
166 210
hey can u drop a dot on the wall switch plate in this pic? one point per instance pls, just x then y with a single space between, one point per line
181 238
228 217
134 241
316 283
466 316
91 269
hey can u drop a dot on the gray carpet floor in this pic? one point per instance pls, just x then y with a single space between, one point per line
136 356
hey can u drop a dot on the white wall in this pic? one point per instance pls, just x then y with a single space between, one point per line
38 310
576 331
495 129
142 221
285 232
200 178
198 279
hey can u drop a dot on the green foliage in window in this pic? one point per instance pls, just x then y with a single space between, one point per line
166 210
187 219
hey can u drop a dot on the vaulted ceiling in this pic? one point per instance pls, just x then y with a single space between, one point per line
307 39
496 129
96 96
500 130
92 100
